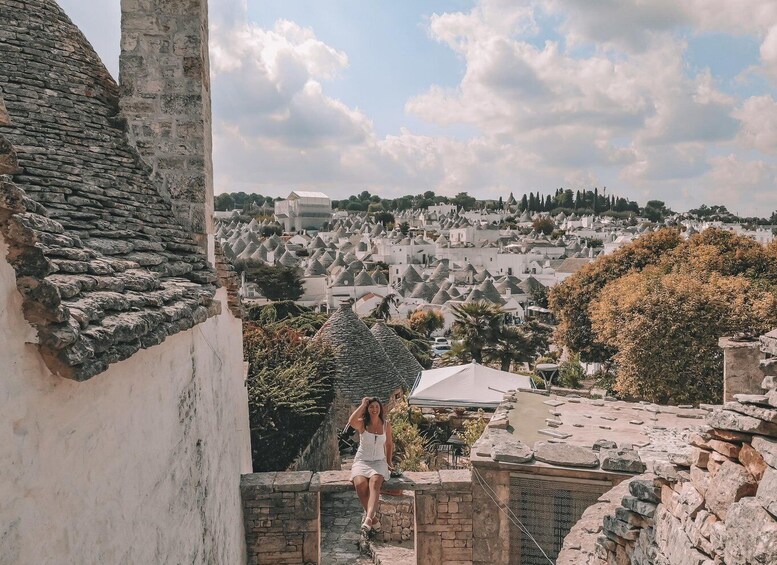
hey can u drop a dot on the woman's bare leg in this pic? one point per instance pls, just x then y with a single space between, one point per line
376 481
362 490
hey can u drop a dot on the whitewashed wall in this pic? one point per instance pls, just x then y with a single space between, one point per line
140 464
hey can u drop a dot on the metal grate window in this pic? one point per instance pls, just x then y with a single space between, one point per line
548 508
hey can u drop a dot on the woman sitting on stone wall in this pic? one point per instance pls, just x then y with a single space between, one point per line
371 462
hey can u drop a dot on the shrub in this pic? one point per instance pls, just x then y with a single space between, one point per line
290 387
473 429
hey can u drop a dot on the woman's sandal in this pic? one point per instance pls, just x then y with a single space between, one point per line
366 525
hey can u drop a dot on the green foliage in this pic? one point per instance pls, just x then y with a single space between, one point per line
544 225
571 372
570 300
410 452
290 386
665 328
276 283
426 321
382 310
288 314
473 429
486 337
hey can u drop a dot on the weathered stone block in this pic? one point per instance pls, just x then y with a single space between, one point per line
646 509
724 448
700 458
766 414
767 491
731 483
292 481
565 455
736 421
510 450
752 461
645 489
621 460
767 448
750 534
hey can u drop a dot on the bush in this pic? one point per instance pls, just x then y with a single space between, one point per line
409 446
290 387
473 429
571 373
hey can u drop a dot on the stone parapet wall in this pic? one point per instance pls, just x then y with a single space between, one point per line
718 505
443 520
396 517
281 516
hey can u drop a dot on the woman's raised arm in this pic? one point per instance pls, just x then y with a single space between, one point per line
356 420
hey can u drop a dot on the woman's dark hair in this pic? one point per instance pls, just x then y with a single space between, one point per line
367 411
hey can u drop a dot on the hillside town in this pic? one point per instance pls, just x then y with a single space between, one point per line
571 378
432 258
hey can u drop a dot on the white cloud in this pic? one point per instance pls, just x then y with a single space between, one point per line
758 115
612 101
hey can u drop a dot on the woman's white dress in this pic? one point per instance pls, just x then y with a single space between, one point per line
370 458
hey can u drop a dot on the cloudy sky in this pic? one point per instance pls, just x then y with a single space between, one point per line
662 99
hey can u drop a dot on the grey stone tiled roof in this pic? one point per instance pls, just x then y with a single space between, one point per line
363 279
364 369
102 263
404 362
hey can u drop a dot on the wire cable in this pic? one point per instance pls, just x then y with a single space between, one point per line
505 509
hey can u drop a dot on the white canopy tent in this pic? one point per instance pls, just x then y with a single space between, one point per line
470 385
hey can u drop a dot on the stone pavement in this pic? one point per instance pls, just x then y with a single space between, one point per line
341 516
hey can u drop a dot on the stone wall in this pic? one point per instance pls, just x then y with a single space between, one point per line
140 464
443 520
164 82
323 451
281 515
718 505
396 516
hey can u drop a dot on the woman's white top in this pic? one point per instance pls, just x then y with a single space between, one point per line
370 458
372 447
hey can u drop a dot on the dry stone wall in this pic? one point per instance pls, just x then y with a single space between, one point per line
717 506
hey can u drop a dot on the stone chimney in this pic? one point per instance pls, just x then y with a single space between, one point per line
742 370
164 78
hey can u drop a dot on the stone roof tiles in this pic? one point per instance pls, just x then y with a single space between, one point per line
404 361
102 263
364 369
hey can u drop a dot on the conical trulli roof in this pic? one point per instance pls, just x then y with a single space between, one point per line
363 369
379 277
490 292
440 298
363 279
411 275
404 362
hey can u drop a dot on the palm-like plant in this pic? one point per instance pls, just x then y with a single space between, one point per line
383 310
476 324
518 344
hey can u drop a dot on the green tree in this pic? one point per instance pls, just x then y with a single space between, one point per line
665 329
382 310
426 321
476 324
224 202
544 225
517 344
404 227
571 372
571 299
274 282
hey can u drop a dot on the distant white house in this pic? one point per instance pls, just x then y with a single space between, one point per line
303 210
